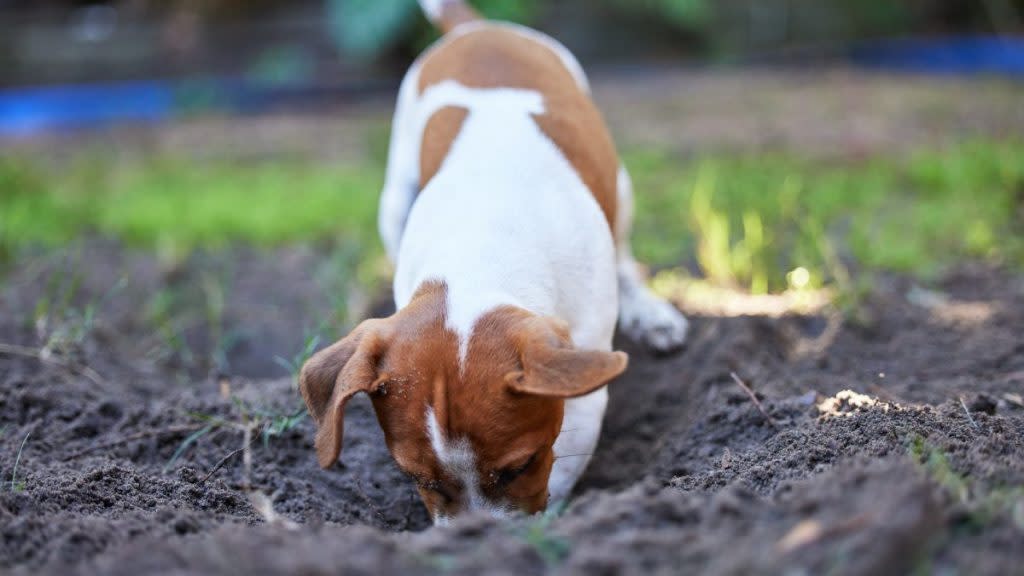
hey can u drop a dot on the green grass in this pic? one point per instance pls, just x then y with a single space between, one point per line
174 205
15 485
294 364
551 548
748 221
983 504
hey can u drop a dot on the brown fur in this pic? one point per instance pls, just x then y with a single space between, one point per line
440 131
336 374
409 362
493 57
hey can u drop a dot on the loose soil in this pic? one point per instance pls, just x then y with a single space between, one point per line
919 468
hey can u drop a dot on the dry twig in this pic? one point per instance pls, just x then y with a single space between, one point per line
753 398
1015 399
968 413
263 504
811 531
247 457
220 464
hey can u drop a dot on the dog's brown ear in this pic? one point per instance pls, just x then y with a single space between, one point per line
553 367
337 373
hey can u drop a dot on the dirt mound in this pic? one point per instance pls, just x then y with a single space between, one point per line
134 466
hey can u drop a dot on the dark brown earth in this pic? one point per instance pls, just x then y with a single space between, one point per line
921 470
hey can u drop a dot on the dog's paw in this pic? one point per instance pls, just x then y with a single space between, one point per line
645 318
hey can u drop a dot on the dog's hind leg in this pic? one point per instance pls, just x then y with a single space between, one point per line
401 180
643 316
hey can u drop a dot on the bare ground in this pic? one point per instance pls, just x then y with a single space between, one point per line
925 471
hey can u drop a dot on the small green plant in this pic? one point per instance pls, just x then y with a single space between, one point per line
278 424
57 299
162 311
176 309
937 464
15 485
294 364
269 423
192 439
551 548
62 325
346 277
983 504
441 562
213 289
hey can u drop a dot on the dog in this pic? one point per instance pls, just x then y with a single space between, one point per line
506 213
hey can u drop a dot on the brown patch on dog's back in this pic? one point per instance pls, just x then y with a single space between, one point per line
438 135
499 57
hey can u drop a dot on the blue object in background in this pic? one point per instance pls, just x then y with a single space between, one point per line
28 110
969 55
25 111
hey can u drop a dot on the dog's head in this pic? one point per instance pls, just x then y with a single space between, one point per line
473 423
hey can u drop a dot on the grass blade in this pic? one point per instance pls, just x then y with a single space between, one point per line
17 461
191 439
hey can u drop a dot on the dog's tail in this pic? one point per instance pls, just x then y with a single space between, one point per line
447 14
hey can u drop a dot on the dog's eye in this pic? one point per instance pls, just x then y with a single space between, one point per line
437 488
507 475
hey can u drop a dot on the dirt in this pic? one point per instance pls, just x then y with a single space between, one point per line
919 468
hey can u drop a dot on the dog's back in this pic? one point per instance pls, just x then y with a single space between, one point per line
480 54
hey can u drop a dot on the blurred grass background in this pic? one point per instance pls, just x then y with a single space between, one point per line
742 221
920 183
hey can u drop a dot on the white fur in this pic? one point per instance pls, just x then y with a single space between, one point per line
581 427
402 176
432 8
508 221
643 316
456 456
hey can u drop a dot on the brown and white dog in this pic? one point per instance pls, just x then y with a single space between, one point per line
506 213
